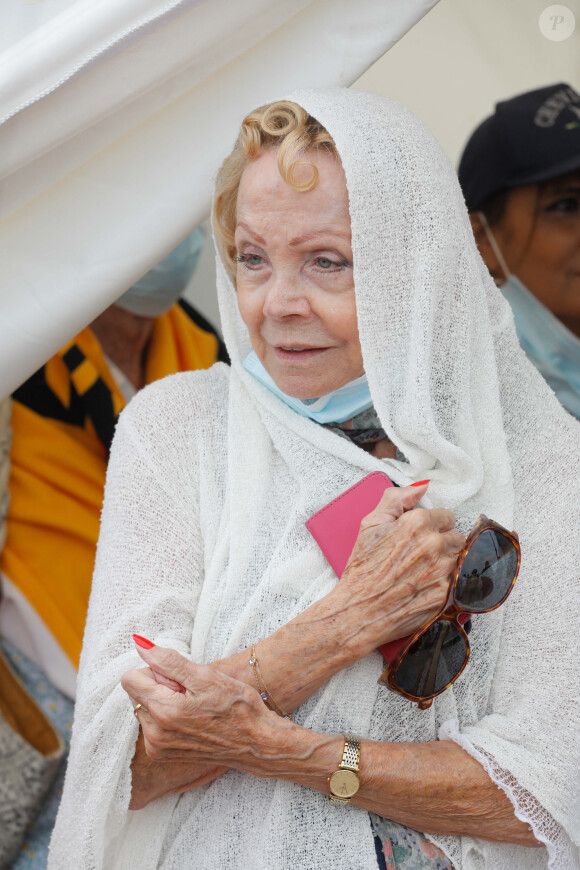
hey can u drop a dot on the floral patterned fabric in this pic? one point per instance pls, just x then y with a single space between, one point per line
59 709
364 429
400 848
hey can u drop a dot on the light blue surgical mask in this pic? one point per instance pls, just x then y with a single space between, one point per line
550 346
161 286
334 407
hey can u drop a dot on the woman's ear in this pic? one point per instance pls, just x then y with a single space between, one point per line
485 249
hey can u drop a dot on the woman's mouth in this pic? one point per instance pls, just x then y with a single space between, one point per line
297 352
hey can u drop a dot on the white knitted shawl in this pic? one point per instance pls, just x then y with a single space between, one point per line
203 545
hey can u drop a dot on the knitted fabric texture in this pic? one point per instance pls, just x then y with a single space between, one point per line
203 545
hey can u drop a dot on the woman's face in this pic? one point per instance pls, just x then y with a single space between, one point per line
294 276
539 236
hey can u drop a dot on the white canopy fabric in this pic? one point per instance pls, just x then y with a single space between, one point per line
114 117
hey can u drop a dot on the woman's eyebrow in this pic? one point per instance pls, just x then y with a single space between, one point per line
298 240
255 235
327 231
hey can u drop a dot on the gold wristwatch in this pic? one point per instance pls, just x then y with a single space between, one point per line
344 782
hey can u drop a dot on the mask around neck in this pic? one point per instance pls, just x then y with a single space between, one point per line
552 348
335 407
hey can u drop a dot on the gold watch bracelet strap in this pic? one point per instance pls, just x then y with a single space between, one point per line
351 753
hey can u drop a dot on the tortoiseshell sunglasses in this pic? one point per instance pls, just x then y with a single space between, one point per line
424 664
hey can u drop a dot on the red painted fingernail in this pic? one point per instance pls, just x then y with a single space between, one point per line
421 482
142 641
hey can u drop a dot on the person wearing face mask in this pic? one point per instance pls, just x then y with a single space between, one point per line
63 419
520 175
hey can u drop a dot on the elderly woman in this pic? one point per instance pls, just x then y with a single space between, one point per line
348 274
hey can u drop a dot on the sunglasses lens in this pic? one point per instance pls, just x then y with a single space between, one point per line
433 661
487 572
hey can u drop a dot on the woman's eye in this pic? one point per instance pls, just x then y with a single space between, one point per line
328 265
250 261
567 204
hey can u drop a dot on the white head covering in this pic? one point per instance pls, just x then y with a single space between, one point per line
224 475
427 309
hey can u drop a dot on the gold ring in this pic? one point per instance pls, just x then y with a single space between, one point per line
136 710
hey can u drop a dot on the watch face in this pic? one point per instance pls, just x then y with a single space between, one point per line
344 783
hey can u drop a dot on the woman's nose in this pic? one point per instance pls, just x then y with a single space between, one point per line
285 297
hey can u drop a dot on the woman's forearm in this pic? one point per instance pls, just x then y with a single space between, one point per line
432 787
297 659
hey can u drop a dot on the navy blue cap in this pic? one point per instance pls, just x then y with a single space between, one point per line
532 137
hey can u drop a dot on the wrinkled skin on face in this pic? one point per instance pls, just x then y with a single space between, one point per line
294 275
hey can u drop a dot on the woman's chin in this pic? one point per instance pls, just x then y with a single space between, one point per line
309 375
306 389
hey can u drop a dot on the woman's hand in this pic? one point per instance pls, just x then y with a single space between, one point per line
218 720
399 572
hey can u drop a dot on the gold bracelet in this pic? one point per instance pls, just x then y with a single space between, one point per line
264 693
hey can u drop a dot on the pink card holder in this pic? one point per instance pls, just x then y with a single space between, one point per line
335 528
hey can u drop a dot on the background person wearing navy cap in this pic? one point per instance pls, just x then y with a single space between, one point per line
520 174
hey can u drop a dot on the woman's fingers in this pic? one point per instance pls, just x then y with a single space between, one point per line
401 503
174 671
396 501
166 681
441 519
140 684
455 541
201 681
400 569
162 712
219 719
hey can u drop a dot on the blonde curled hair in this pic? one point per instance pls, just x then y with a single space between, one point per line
283 125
